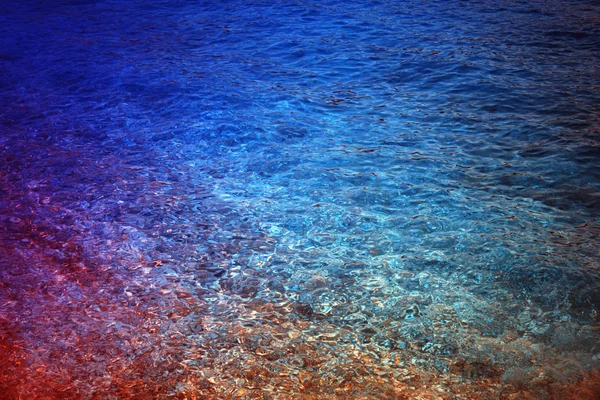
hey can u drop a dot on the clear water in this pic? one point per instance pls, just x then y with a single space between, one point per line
299 200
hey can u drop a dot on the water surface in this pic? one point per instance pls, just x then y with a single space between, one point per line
357 199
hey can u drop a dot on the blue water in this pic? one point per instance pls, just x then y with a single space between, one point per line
300 200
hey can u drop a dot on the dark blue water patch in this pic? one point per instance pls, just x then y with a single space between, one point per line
567 34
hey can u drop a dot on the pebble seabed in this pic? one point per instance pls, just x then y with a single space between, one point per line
292 200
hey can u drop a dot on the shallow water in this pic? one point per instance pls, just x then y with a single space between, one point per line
358 199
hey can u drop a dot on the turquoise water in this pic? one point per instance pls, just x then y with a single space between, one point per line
281 200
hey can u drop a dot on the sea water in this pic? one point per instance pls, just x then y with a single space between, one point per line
299 199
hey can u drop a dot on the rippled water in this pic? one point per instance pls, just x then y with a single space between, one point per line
275 200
